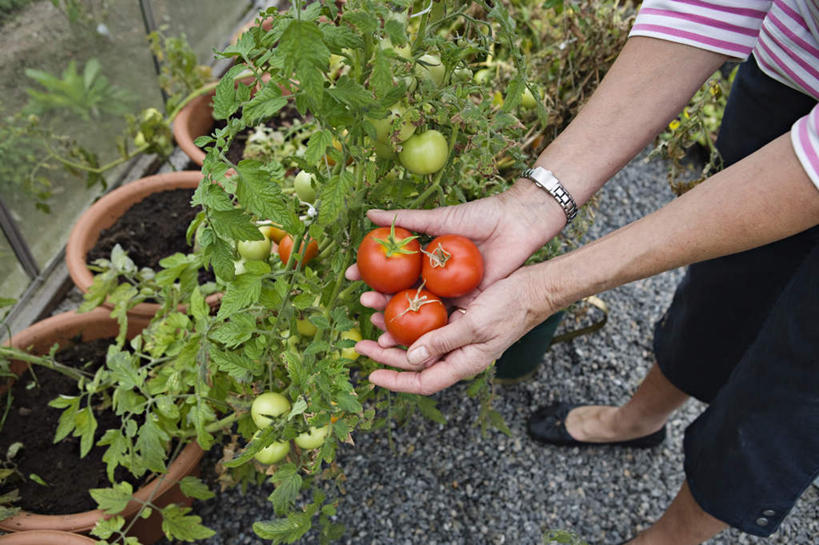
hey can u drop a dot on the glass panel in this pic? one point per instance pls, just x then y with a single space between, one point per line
14 278
110 33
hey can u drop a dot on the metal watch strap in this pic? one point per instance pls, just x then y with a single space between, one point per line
547 181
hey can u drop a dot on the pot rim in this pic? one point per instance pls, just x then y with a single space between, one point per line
61 327
45 537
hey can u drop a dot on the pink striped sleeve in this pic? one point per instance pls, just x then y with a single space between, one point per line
805 138
730 27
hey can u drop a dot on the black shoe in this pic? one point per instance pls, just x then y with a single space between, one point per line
548 425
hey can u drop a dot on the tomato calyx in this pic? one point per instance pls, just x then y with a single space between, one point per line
438 257
416 302
393 246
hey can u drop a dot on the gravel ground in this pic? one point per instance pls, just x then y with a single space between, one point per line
449 485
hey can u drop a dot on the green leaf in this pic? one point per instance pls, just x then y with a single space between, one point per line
149 443
7 512
294 49
243 292
260 195
37 479
107 527
234 225
428 408
240 368
286 530
113 500
177 524
193 487
221 258
85 425
317 146
339 38
116 451
349 403
234 332
225 102
264 104
353 94
334 196
288 483
381 80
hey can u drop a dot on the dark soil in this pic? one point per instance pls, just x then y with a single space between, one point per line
237 146
31 421
152 230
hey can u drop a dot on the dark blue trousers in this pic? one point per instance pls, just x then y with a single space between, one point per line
742 334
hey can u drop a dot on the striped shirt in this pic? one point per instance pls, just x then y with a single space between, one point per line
783 35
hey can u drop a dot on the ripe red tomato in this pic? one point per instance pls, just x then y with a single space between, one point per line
286 246
389 259
453 266
411 313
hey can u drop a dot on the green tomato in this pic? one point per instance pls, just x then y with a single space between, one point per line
425 153
268 406
527 99
254 250
482 76
383 127
239 267
305 328
353 335
313 438
274 452
431 68
305 186
462 75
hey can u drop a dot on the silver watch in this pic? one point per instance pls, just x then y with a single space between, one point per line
547 181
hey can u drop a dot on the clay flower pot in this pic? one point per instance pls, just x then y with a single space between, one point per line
45 537
104 213
97 324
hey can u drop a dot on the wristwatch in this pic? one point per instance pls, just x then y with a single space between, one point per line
547 181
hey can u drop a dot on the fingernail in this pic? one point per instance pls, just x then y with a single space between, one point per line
417 355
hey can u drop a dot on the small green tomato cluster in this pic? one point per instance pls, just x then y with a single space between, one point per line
264 409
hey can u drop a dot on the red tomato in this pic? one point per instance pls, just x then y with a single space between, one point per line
453 266
389 259
286 246
411 313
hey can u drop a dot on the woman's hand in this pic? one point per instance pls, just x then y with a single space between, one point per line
507 229
473 339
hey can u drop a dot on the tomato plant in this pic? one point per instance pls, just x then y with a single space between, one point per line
425 153
273 453
254 250
431 68
286 246
452 266
413 312
389 259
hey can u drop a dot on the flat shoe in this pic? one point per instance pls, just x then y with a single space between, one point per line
548 425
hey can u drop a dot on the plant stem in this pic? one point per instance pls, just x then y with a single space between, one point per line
14 354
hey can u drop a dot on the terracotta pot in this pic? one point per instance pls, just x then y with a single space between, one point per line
97 324
45 537
104 213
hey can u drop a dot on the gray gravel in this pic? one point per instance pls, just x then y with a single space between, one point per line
449 485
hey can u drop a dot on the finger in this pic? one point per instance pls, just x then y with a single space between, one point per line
458 365
378 321
386 340
374 300
352 273
423 221
434 345
394 357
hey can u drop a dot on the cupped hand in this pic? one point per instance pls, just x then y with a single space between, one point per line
506 231
468 344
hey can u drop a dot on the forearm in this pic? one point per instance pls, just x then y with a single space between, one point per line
764 198
647 86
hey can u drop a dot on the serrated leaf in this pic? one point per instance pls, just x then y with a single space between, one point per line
243 292
429 409
339 38
262 196
264 104
286 530
235 365
381 80
85 424
193 487
225 103
333 197
116 451
317 146
107 527
288 483
234 225
113 500
177 524
234 332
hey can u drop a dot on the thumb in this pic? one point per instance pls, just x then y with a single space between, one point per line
434 345
423 221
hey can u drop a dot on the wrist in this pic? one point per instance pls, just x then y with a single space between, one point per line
539 213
